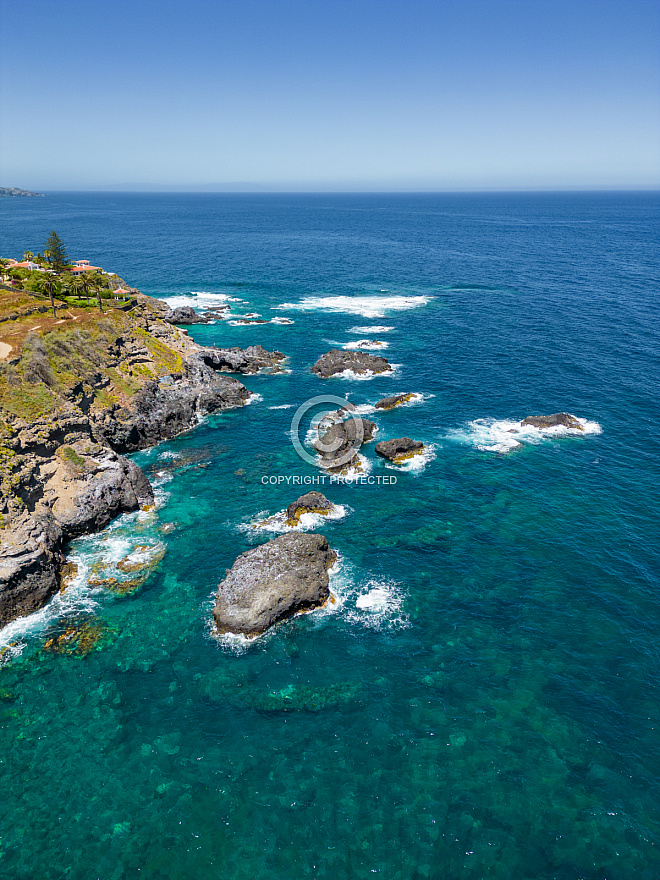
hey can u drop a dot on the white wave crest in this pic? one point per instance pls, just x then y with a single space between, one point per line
366 345
199 300
75 600
367 306
278 522
376 603
505 435
168 454
281 321
366 376
370 331
418 461
364 409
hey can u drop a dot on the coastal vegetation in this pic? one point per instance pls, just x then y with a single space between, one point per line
66 284
57 256
79 387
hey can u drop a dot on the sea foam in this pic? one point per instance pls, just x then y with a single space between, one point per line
366 345
199 300
417 462
367 306
370 331
277 523
495 435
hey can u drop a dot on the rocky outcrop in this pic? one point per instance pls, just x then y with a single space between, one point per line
184 315
273 582
340 444
64 484
253 359
399 449
310 502
360 362
395 400
564 419
110 486
161 410
128 382
30 556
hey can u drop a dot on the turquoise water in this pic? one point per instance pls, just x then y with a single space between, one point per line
481 701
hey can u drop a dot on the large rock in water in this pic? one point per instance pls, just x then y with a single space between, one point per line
360 362
273 582
398 449
565 419
341 443
395 400
310 502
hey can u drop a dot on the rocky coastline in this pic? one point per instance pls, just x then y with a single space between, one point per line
73 401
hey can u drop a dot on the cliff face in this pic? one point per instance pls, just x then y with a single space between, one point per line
77 393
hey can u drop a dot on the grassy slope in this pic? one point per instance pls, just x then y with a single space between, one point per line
108 356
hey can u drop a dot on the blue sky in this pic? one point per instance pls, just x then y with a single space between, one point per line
330 95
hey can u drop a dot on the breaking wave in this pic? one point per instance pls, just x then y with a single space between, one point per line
367 306
505 435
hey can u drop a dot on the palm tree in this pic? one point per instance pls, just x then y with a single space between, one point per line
95 286
85 285
77 285
48 284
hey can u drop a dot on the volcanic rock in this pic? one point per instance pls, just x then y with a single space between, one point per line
273 582
340 444
395 400
252 359
310 502
184 315
398 449
562 418
360 362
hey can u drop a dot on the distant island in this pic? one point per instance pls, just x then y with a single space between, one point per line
11 191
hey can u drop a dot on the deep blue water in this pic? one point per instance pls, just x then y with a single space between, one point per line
482 699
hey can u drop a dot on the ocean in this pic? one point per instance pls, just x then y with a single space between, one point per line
481 700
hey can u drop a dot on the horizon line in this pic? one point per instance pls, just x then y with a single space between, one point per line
267 192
